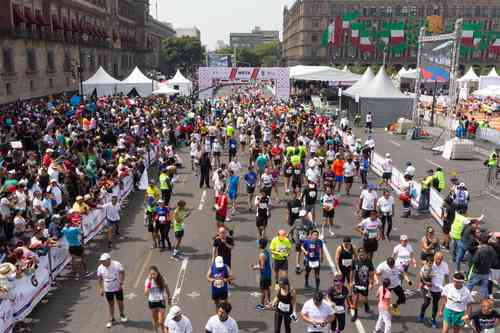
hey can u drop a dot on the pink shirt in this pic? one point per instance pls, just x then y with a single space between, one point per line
384 299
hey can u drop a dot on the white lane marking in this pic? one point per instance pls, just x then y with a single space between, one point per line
395 143
202 200
143 269
357 323
433 163
180 282
193 294
492 195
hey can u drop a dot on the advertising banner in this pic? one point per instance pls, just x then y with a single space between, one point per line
436 59
6 316
219 60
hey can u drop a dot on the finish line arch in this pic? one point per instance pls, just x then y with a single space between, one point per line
211 77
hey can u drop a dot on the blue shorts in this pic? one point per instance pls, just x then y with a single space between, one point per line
339 179
232 195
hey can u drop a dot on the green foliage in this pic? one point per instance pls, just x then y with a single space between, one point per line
185 54
269 54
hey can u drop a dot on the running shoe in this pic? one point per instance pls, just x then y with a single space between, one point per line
395 310
110 323
434 323
297 270
123 319
420 319
260 307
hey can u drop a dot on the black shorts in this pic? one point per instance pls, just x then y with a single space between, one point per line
369 125
76 250
219 297
156 305
446 227
267 190
426 256
349 180
277 162
370 245
111 295
361 290
264 283
329 213
365 213
153 227
179 234
281 265
250 189
298 245
220 219
261 221
387 175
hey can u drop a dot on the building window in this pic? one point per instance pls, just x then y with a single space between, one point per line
51 83
381 11
397 11
314 52
31 60
67 61
315 23
477 11
8 63
413 11
8 88
50 60
373 11
366 11
404 11
32 85
467 11
314 38
389 11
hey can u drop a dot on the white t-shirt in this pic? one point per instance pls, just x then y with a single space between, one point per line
110 276
386 205
403 254
370 227
393 274
312 174
112 211
315 313
155 293
438 274
313 146
194 149
410 170
387 165
456 299
349 169
368 200
368 118
181 326
235 167
214 325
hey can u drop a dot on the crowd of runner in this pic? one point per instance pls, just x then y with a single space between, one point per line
71 157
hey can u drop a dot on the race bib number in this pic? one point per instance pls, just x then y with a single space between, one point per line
263 206
360 287
302 235
372 234
346 262
162 218
233 146
314 264
295 210
284 307
312 194
218 283
297 172
339 309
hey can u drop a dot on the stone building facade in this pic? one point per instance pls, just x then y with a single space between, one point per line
305 21
46 46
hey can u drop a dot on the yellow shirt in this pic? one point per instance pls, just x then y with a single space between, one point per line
153 191
82 208
283 247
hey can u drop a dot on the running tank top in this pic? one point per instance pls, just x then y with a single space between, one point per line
284 302
345 259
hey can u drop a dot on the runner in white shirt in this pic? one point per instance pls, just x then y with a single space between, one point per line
349 171
110 278
388 270
176 322
386 169
403 254
222 322
367 201
318 314
155 289
235 166
456 304
385 208
112 214
370 229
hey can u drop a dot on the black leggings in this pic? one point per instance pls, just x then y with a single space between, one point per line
280 317
204 178
164 231
386 219
435 296
398 290
338 322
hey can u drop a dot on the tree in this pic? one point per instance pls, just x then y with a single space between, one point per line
184 53
269 53
247 57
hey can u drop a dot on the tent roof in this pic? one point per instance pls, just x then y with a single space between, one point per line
491 91
165 90
346 69
409 74
493 72
101 77
358 86
381 87
178 78
469 76
326 74
402 71
300 70
137 77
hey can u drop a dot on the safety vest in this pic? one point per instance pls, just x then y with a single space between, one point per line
457 226
492 161
426 183
164 181
440 176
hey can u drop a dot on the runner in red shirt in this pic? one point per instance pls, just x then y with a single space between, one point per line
221 204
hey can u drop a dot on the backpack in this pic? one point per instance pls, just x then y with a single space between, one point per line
461 198
435 183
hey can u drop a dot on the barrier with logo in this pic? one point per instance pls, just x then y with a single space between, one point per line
29 290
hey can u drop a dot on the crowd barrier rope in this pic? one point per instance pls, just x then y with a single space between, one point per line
25 293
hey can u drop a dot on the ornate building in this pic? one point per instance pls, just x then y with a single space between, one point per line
46 46
305 22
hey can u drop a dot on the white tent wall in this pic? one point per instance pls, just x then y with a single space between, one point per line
179 82
103 83
138 81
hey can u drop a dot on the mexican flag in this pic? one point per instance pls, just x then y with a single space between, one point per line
495 45
365 42
355 29
384 36
468 33
478 36
397 33
332 33
348 17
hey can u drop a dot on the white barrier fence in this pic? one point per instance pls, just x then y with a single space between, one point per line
29 290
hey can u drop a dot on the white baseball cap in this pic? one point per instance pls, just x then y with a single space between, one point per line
403 237
174 311
219 262
104 257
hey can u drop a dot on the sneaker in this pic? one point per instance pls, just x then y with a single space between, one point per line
434 323
110 323
260 307
354 317
367 308
395 310
297 270
420 319
123 319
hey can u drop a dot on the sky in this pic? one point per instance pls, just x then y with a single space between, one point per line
217 18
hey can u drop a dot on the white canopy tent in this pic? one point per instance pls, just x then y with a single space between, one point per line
164 89
360 84
138 81
323 73
470 76
410 74
493 72
180 83
103 83
491 91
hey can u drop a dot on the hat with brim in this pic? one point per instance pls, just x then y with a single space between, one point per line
7 270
